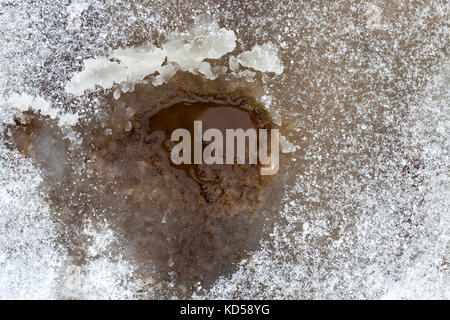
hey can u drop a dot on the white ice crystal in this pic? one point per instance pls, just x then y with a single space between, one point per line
188 50
374 16
184 51
75 10
101 71
139 61
262 58
25 102
30 258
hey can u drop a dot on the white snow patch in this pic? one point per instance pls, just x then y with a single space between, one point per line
262 58
29 253
374 17
184 51
24 102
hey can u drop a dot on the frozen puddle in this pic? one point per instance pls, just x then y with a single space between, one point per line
181 225
92 208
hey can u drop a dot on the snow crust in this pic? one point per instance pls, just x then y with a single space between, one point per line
184 51
364 88
24 102
262 58
30 257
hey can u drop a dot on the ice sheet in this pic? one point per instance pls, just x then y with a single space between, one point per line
363 90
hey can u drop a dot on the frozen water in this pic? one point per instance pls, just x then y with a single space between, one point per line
361 90
30 257
24 102
262 58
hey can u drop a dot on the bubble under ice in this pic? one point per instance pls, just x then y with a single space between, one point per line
364 94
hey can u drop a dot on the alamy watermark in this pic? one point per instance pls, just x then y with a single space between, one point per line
234 150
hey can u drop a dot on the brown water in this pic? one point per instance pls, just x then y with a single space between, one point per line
156 128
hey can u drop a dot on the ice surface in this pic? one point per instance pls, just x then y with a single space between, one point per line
107 275
75 10
30 257
361 88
